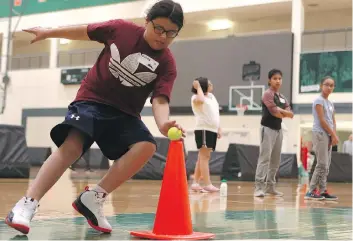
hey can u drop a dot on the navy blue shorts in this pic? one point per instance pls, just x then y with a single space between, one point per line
113 130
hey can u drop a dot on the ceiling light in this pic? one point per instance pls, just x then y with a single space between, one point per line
219 24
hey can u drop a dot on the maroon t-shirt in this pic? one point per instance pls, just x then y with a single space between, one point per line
128 70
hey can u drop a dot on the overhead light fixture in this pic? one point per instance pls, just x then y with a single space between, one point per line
64 41
219 24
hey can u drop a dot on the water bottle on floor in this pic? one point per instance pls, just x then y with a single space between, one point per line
223 188
223 195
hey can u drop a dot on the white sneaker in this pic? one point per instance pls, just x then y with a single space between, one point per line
259 187
271 190
21 215
259 193
274 193
90 205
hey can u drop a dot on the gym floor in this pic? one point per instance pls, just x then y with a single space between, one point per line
132 207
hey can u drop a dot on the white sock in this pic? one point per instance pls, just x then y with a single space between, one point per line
99 189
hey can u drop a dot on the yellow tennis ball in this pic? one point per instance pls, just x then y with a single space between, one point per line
174 134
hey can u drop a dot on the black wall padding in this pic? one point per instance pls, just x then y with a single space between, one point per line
231 166
96 154
159 157
95 158
216 162
242 159
340 168
38 155
14 157
288 167
154 168
163 146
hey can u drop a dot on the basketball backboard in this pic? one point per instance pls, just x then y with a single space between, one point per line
249 95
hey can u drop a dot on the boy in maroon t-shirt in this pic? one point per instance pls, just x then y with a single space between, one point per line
275 107
134 63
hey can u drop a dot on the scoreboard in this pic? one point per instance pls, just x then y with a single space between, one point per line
73 76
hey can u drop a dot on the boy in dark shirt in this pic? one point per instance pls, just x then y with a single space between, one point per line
274 108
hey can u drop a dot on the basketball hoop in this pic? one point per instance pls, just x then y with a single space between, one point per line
241 109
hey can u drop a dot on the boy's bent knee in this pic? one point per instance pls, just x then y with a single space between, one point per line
149 147
73 144
146 147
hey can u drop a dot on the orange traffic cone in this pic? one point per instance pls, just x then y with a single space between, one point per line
173 217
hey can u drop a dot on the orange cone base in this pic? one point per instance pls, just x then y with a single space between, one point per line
151 235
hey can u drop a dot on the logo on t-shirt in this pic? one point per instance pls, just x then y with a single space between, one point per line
279 101
148 62
125 70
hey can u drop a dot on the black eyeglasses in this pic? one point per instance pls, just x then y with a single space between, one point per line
160 30
328 85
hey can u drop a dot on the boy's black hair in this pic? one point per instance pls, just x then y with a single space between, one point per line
273 72
167 9
325 78
203 83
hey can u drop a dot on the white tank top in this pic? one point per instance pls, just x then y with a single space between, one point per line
207 114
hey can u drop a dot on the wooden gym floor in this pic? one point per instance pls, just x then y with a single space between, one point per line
132 207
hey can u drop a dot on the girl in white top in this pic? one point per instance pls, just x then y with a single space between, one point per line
206 110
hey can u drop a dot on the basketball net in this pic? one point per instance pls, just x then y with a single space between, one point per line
241 109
